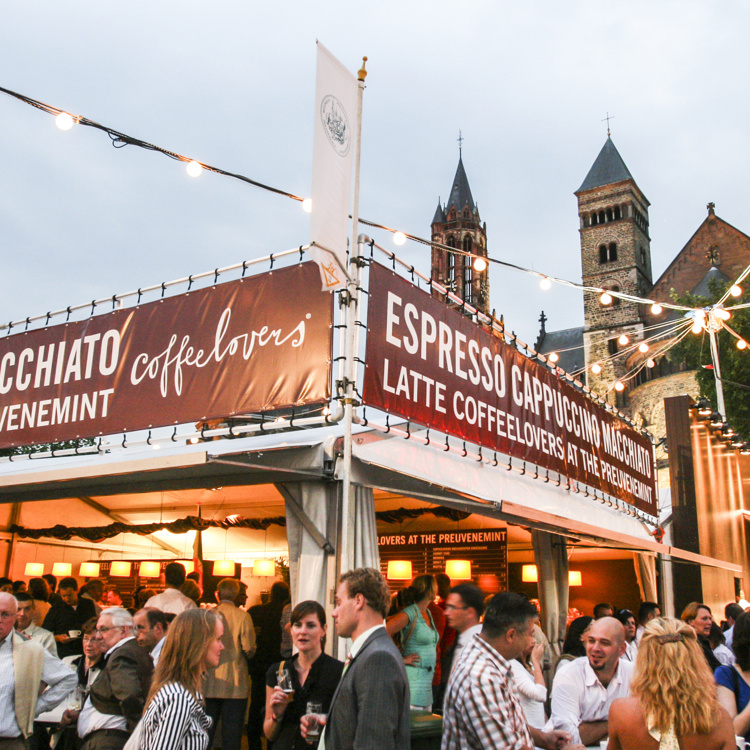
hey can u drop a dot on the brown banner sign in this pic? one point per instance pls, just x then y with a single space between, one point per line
258 343
430 364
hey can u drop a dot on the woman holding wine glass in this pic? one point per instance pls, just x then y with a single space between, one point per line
303 684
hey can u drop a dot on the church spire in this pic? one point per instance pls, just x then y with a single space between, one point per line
608 168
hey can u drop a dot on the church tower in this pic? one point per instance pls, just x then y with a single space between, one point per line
457 224
616 255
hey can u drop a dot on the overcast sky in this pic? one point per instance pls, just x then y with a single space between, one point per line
231 83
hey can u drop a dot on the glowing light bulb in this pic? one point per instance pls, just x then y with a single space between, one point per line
64 121
545 284
657 309
399 238
480 264
736 291
553 357
742 344
643 347
650 363
606 298
307 205
619 386
623 340
194 168
722 314
596 368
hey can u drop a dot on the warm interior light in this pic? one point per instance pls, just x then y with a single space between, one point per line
149 569
623 340
657 309
189 565
606 298
650 363
619 386
223 568
574 578
553 357
64 121
458 570
697 326
307 205
480 264
722 314
265 568
741 344
120 568
399 238
193 168
193 440
89 570
736 291
643 347
62 569
529 574
399 570
34 569
545 283
596 368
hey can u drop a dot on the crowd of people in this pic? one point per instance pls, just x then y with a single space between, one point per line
85 673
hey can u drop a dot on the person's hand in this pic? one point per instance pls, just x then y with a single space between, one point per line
537 653
69 717
554 740
279 701
62 638
412 659
303 724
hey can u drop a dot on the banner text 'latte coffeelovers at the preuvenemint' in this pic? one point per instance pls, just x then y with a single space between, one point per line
262 342
430 364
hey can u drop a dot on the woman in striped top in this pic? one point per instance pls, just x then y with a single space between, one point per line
175 718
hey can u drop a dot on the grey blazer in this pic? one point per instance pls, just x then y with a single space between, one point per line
370 708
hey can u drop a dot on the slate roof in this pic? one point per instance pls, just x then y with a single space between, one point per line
608 169
703 287
568 344
439 217
460 192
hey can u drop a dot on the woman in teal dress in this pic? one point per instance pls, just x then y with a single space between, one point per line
419 639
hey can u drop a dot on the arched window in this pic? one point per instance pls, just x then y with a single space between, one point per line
594 219
617 213
615 300
466 214
602 218
451 268
612 256
468 279
609 214
451 241
603 255
468 244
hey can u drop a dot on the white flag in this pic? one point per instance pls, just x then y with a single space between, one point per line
333 160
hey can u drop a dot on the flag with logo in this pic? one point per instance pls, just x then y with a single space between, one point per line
333 162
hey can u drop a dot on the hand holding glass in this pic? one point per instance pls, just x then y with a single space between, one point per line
315 720
284 681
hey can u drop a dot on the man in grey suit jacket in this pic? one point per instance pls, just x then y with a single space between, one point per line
370 709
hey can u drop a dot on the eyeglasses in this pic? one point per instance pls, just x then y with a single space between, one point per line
100 631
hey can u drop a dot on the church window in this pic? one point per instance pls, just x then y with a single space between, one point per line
468 279
451 241
602 218
594 219
466 214
603 256
467 244
612 346
609 214
612 252
451 268
617 213
615 300
643 256
608 253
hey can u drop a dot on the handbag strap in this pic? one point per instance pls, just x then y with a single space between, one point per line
281 668
410 631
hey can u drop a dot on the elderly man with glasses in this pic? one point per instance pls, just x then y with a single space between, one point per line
118 695
26 666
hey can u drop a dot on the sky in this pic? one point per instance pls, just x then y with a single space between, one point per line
231 83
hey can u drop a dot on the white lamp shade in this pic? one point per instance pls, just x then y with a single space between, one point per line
574 578
399 570
120 568
89 570
458 570
223 567
62 569
529 574
189 565
265 568
34 569
149 569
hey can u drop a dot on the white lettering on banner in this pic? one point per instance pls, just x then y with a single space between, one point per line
168 365
53 411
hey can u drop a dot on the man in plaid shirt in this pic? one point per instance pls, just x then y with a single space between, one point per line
481 711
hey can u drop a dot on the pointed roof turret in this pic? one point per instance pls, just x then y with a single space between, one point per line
607 169
460 192
439 217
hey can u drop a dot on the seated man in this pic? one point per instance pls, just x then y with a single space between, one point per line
583 693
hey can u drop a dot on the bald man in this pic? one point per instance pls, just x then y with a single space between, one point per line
583 693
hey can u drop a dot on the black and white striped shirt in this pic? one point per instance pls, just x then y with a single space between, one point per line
174 720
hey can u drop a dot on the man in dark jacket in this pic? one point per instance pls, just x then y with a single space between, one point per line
69 616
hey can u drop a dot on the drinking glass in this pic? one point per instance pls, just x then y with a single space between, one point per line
314 715
284 681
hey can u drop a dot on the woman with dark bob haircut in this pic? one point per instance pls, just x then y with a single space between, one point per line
734 682
314 676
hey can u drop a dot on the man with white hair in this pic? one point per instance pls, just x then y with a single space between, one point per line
118 695
25 665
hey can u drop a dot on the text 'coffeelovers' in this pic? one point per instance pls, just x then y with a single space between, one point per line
434 366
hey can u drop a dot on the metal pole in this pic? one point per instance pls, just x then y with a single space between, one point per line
717 373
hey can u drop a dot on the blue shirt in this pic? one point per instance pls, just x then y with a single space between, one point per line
725 678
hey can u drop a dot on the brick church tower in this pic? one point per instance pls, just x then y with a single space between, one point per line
457 224
615 254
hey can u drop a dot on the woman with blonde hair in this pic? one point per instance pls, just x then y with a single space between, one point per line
673 700
175 718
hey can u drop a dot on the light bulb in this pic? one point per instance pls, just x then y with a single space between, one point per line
643 347
596 368
657 309
606 298
553 357
480 264
194 168
721 313
307 205
399 238
650 363
619 386
623 340
742 344
64 121
545 283
736 291
697 326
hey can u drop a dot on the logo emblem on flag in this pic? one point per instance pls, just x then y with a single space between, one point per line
336 124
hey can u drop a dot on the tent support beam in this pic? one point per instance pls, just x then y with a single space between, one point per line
116 517
15 517
306 521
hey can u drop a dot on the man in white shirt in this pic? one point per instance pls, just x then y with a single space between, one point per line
150 629
464 607
583 693
172 600
26 626
731 612
646 612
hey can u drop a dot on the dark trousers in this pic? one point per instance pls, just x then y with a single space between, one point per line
257 708
13 743
105 739
231 711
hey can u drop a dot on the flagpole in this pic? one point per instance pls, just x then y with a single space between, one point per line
346 553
